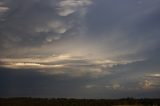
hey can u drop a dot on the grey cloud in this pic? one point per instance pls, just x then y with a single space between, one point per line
112 48
26 21
67 7
134 27
40 85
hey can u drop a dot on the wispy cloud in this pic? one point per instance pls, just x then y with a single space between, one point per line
154 75
68 7
66 64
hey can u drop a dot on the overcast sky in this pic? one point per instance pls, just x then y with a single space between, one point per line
80 48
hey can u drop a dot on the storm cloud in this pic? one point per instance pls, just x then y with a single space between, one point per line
91 48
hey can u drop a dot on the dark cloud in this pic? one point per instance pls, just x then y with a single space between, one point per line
32 83
25 21
79 48
35 84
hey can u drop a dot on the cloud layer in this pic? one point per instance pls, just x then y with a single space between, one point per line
65 64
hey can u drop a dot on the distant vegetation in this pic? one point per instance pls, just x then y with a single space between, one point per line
78 102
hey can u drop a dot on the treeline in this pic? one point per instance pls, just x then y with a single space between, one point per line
77 102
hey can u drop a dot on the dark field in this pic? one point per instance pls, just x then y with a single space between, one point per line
78 102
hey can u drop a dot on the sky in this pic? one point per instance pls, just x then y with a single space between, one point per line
80 48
